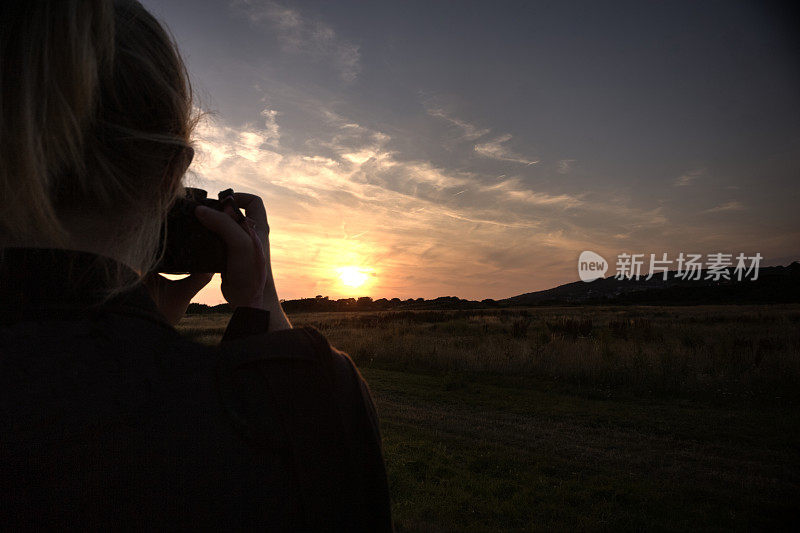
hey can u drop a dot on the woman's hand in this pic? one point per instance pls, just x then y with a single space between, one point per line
246 271
247 281
173 296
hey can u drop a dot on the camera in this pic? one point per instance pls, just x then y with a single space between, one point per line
191 247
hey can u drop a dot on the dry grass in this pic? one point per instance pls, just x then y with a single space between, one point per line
741 351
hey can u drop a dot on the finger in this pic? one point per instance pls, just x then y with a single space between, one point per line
253 205
230 206
223 225
261 258
254 209
229 210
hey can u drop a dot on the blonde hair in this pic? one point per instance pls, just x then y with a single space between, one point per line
96 117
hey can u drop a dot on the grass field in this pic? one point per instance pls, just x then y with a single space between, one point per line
581 418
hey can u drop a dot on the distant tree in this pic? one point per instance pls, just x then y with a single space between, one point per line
195 308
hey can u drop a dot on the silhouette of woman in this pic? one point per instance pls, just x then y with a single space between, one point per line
109 417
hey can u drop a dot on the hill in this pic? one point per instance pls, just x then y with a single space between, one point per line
774 285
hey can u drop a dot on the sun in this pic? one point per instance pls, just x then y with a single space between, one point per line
353 277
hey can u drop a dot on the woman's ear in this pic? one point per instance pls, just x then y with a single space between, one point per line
189 157
178 167
183 160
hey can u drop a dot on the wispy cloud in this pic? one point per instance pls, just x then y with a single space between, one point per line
271 129
733 205
217 144
493 149
514 190
496 149
689 177
467 131
302 35
564 166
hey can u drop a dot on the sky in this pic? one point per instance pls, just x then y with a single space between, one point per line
475 149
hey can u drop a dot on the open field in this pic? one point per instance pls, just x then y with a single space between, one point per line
718 352
581 418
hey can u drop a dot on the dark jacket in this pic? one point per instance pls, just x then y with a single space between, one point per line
109 418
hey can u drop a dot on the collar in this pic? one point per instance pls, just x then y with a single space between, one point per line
40 283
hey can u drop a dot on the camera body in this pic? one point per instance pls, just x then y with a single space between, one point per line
191 247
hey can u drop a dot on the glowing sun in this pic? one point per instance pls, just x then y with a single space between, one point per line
353 277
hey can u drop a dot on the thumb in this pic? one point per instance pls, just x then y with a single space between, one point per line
191 285
185 288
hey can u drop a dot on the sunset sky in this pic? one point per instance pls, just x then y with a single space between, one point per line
475 149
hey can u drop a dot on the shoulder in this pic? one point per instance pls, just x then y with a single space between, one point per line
300 370
300 345
300 352
292 388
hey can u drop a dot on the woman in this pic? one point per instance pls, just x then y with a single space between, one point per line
109 417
